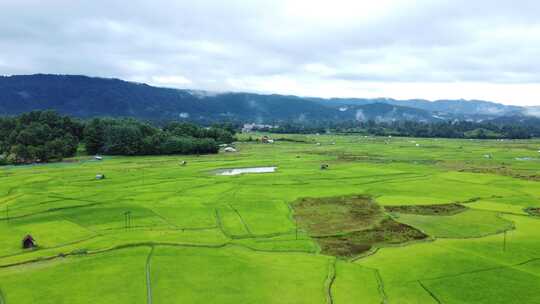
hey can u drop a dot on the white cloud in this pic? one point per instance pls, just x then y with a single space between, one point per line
434 49
175 80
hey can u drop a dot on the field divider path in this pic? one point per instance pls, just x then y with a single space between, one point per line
246 227
431 294
148 276
380 283
220 225
143 244
330 279
512 266
384 298
48 211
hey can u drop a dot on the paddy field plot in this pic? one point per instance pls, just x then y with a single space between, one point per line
387 222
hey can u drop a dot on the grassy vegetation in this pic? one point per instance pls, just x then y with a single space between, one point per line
196 237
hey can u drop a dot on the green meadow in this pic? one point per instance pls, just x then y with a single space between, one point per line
154 231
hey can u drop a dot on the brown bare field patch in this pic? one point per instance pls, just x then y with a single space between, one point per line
442 209
335 215
533 211
347 226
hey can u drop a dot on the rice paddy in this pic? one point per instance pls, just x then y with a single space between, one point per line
387 222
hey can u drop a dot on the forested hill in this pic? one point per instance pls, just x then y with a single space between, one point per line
84 96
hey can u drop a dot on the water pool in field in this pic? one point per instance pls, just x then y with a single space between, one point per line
238 171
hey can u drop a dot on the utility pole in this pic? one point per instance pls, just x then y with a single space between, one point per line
127 219
504 241
296 220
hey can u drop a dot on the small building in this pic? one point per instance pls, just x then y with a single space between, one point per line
100 176
183 163
266 140
28 242
97 157
229 149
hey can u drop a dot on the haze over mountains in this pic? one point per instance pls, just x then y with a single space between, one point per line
85 97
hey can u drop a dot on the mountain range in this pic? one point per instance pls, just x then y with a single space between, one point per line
85 97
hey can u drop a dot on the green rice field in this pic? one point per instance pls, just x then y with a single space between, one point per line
154 231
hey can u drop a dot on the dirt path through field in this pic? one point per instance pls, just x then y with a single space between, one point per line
148 281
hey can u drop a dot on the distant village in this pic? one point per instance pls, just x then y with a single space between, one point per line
252 127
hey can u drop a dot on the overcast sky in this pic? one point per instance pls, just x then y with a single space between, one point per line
472 49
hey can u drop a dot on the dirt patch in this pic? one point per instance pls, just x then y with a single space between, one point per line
355 243
335 215
443 209
501 169
533 211
347 226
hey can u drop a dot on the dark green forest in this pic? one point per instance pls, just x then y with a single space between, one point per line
43 136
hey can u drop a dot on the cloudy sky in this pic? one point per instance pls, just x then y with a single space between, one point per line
429 49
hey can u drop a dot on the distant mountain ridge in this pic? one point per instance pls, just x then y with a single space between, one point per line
84 96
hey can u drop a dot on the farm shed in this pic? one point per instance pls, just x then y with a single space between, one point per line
229 149
100 176
28 242
267 140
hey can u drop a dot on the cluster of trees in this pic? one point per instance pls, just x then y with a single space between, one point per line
38 137
43 136
447 129
132 137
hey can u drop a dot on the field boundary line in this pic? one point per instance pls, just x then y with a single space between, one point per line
146 244
430 292
330 279
220 224
54 247
49 210
246 227
299 251
2 300
382 293
380 283
512 266
111 249
148 277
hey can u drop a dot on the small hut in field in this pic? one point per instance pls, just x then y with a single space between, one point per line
100 176
28 242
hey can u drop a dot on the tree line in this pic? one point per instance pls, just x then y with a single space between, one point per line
44 136
446 129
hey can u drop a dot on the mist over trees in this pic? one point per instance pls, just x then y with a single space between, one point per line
447 129
44 136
